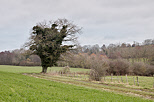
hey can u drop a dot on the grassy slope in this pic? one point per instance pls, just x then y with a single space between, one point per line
20 69
144 81
24 69
17 87
112 87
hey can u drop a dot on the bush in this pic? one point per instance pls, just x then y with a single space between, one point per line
65 70
98 68
119 67
139 68
151 60
150 70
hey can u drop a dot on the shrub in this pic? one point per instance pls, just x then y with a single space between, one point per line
98 68
65 70
150 70
151 60
119 66
139 68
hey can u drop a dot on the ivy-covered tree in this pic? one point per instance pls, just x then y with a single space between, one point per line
49 41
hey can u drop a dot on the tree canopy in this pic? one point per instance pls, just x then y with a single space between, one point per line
49 41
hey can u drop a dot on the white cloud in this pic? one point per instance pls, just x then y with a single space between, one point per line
103 21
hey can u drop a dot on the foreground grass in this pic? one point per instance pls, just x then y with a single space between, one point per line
16 87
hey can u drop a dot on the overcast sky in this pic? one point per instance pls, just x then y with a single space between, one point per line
103 21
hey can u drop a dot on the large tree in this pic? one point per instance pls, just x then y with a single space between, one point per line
49 41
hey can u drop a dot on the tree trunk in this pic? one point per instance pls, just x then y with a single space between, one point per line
44 69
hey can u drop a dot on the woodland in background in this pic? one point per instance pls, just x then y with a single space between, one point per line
118 59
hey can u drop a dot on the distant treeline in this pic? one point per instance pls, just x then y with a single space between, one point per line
19 58
121 58
135 51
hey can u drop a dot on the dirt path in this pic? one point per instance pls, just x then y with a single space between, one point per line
120 89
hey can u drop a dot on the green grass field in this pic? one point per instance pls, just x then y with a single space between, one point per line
25 69
15 87
143 81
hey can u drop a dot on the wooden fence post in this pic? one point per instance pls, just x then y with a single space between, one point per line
137 80
121 79
111 77
62 73
153 81
104 78
126 78
118 78
134 80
